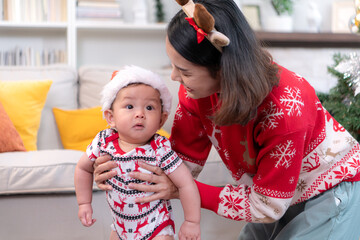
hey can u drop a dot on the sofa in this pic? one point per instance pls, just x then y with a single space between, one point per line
37 199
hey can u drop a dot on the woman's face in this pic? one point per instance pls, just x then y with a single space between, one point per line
196 79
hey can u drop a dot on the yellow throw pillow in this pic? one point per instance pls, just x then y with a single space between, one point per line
163 132
78 127
24 101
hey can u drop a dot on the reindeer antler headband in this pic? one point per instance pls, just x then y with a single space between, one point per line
204 23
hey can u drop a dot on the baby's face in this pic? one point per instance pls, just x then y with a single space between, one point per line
137 113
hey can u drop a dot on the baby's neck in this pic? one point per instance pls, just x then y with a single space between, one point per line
127 147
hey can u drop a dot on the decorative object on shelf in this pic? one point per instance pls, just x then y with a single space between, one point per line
283 7
160 15
252 15
343 101
281 21
306 16
313 17
140 12
354 23
341 13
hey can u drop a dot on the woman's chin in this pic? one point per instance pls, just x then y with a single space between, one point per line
191 94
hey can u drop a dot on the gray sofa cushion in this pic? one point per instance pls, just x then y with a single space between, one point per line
38 171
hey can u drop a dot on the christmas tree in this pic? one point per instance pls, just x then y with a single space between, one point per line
160 15
343 101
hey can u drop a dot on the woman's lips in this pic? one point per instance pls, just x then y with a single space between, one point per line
188 89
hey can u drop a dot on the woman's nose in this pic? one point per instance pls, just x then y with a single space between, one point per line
175 76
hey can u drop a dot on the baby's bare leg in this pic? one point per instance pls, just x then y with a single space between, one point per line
114 236
164 237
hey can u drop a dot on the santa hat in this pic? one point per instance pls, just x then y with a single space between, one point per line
134 74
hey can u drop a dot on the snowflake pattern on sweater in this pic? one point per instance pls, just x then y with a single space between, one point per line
292 151
132 220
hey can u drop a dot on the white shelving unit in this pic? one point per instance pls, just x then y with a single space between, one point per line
91 42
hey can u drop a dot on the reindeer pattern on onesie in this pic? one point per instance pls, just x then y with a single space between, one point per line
135 220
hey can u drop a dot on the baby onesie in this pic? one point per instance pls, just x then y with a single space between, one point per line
135 220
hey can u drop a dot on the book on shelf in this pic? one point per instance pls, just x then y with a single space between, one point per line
34 10
99 10
99 4
98 13
28 56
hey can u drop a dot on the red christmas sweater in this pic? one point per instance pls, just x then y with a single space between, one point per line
292 151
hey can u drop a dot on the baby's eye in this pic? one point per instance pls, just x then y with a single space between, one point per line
149 108
129 106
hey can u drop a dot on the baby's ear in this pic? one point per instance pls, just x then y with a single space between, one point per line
203 18
109 117
164 117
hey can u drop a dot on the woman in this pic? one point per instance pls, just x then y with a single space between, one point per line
291 160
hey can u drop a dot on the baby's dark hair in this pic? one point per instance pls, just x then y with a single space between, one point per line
246 69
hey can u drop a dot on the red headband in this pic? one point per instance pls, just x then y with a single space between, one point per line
200 33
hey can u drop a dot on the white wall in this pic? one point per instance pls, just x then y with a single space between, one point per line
147 49
311 63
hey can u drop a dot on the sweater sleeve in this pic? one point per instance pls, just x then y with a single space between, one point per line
188 136
265 196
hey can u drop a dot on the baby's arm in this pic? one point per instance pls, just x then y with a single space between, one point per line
83 188
190 200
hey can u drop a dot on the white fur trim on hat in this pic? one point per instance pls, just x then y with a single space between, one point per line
134 74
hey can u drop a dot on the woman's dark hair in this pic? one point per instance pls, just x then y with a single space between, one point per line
246 69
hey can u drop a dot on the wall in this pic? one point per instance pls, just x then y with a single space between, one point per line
311 63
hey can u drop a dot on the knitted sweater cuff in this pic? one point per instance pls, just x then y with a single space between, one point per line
209 196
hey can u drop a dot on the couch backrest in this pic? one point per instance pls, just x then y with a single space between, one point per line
62 94
93 78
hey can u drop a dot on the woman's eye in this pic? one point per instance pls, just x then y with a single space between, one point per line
129 106
185 74
149 108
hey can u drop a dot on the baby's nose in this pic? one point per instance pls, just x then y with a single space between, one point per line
140 114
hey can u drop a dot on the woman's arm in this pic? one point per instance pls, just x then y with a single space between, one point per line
163 187
103 171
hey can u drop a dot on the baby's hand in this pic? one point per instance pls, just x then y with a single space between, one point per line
85 214
189 231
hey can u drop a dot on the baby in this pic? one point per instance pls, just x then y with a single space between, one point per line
136 103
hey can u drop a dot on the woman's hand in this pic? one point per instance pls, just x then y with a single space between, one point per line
103 171
163 187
